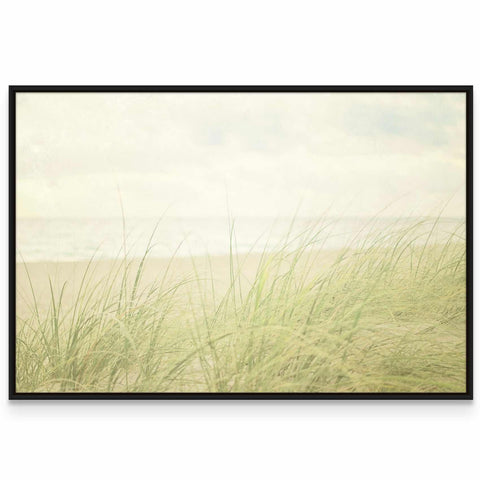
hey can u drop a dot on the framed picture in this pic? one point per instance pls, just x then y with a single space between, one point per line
241 242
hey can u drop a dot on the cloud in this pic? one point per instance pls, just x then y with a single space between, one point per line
269 151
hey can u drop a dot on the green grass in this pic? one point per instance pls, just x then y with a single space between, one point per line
383 315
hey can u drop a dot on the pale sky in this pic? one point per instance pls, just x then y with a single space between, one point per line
324 153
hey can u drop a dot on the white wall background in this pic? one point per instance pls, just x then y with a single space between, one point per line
249 42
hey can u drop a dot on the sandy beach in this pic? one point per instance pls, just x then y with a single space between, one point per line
215 270
155 269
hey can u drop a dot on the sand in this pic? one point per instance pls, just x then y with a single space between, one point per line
155 269
216 269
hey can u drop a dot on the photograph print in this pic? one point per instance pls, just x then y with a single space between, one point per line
240 242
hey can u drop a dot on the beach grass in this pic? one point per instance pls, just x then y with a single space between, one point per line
387 313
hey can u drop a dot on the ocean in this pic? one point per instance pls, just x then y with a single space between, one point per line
76 239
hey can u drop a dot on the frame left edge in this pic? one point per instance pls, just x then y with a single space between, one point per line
11 240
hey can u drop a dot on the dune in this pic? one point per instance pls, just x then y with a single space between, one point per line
387 318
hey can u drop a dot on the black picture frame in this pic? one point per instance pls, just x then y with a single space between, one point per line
468 395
